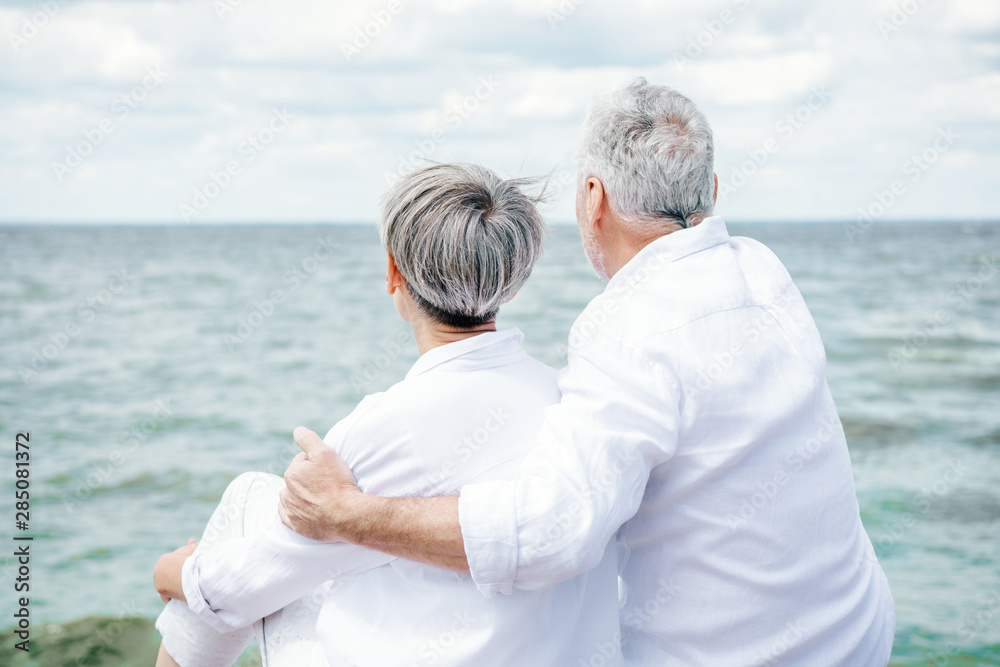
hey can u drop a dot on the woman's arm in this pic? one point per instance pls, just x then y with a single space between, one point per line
240 581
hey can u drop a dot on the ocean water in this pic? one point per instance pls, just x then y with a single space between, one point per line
153 364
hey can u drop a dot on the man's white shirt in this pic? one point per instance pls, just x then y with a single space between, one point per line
466 412
696 424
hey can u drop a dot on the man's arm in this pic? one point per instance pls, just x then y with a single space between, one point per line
617 420
322 501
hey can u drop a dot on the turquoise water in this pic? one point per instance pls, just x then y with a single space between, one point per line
146 393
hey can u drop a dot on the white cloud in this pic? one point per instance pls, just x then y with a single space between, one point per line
359 118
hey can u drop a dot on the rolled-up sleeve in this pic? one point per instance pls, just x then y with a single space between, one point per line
240 581
617 419
487 513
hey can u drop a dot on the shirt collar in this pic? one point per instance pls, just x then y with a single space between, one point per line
486 350
670 248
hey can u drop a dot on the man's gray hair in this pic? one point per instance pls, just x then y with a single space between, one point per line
464 239
652 149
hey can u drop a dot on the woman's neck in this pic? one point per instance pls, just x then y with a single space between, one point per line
431 334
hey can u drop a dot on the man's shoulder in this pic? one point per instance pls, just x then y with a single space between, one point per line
738 274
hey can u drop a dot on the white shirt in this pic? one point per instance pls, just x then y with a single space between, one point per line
696 418
466 411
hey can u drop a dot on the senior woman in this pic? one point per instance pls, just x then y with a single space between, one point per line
460 242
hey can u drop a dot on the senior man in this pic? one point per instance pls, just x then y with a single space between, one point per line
695 426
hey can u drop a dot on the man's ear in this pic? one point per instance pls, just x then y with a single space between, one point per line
393 278
715 195
595 201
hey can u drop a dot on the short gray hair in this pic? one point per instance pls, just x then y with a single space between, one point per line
652 149
464 239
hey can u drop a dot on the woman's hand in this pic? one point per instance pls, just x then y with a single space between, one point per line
167 573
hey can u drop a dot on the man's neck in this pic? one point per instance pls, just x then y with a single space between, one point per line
634 240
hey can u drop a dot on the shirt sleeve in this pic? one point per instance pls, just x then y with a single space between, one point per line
617 420
240 581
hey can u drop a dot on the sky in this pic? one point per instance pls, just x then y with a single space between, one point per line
264 111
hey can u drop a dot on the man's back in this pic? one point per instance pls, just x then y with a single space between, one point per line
466 412
696 423
750 520
753 516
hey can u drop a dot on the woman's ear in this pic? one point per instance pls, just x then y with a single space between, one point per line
393 278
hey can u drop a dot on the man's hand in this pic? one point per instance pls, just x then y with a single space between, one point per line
321 496
167 573
322 501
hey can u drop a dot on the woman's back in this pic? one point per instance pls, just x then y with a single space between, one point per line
467 411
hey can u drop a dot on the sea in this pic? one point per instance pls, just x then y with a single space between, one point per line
152 364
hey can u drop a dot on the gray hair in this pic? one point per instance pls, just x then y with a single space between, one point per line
464 239
652 149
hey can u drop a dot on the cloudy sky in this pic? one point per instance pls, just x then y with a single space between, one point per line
258 110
